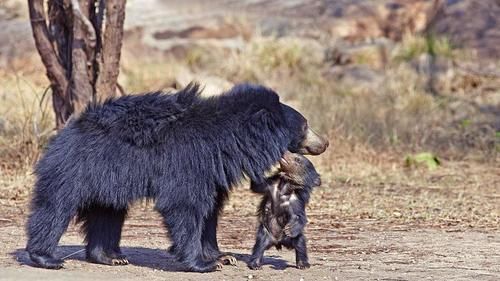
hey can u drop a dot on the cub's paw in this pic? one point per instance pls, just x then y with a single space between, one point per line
293 229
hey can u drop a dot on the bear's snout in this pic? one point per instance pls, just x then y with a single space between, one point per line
314 144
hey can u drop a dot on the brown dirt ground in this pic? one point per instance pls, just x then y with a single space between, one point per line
359 250
372 220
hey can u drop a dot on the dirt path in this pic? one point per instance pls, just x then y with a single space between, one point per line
440 225
357 251
376 225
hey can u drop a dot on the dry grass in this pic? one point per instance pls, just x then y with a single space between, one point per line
401 114
364 185
26 118
412 46
398 112
372 185
371 129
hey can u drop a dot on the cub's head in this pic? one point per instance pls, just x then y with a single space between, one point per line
299 170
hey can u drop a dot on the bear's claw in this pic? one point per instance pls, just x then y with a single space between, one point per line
228 260
122 261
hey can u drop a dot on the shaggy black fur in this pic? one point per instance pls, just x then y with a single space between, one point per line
182 150
282 213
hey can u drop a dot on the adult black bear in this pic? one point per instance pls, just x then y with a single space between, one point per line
182 150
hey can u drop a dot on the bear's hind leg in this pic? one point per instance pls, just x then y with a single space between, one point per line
46 224
102 227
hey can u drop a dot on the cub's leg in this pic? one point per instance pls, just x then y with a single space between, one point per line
301 259
262 243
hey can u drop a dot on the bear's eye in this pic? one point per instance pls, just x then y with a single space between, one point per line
298 160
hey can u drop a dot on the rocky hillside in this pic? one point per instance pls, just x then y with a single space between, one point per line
165 24
418 72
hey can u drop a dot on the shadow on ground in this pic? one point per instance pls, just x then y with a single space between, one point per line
158 259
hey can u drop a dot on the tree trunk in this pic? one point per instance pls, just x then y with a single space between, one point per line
80 44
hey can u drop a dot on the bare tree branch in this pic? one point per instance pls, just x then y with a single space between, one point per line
97 18
96 15
55 72
61 30
89 28
109 59
82 57
79 42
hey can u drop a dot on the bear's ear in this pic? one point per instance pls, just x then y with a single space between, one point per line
275 98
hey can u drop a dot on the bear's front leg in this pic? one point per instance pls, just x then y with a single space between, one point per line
209 235
185 227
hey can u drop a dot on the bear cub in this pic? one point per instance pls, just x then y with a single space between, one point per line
282 215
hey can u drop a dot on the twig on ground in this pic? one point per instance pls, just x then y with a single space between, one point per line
72 254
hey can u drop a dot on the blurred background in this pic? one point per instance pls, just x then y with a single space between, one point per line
408 92
407 75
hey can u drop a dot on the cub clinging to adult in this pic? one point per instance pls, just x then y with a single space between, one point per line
282 215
